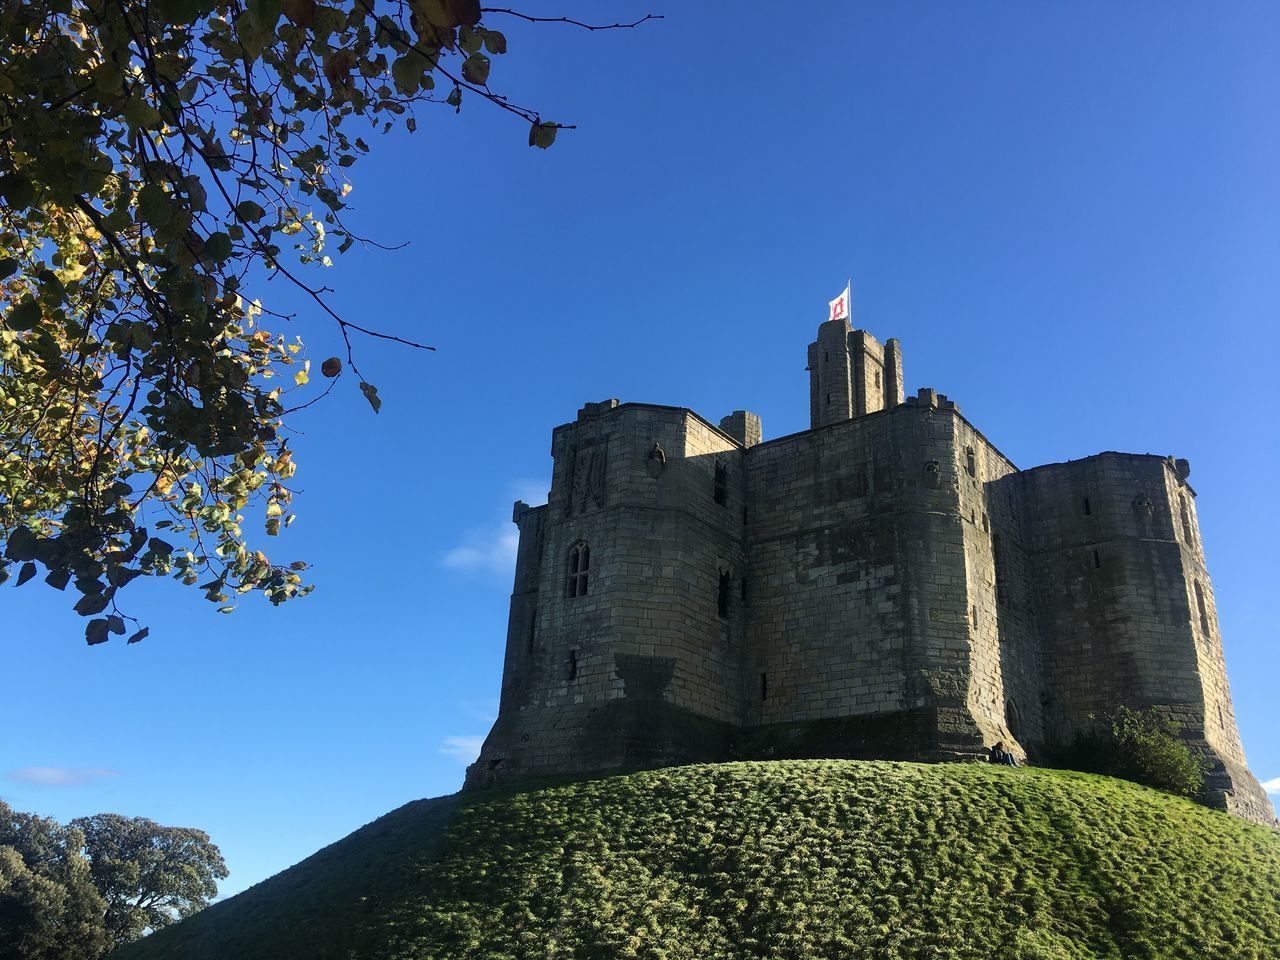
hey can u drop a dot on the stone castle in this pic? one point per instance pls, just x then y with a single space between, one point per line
885 584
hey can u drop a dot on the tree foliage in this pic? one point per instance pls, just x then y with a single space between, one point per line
149 875
74 892
156 161
49 908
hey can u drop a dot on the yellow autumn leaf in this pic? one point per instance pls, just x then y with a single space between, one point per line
302 376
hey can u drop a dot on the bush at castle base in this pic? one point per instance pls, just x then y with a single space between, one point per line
1138 745
790 859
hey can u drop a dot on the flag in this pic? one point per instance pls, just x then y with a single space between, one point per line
840 306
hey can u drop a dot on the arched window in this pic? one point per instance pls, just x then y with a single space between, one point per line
579 564
1012 720
970 462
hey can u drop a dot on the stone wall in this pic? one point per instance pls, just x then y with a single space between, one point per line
1006 680
640 668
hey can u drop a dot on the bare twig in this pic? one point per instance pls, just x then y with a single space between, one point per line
575 23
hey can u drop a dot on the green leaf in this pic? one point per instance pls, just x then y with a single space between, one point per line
217 246
265 14
153 205
95 631
407 71
115 623
455 97
470 40
140 635
371 394
24 316
495 42
58 579
17 190
141 334
26 573
140 114
21 545
475 69
94 603
542 135
248 210
179 12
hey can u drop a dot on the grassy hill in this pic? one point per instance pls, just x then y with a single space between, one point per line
800 859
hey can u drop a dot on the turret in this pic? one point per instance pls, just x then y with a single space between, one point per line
851 374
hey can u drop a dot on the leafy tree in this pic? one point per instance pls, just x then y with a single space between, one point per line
149 875
156 161
49 908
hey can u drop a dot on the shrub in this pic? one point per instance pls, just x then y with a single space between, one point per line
1142 746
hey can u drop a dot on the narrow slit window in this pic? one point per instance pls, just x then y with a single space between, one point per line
1097 560
744 516
970 462
973 615
1088 511
722 597
1186 520
573 664
764 686
533 627
720 487
877 379
579 567
742 589
1202 609
997 564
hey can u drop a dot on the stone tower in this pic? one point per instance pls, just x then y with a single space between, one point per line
885 584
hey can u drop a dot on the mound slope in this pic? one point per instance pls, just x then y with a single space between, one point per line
794 859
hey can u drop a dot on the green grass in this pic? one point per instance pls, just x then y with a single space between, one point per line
793 859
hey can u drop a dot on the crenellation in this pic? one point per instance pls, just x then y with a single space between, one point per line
885 584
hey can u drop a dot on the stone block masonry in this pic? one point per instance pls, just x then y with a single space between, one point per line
884 584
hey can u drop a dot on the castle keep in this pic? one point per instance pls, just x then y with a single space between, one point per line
886 584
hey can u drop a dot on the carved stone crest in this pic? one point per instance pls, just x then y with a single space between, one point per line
587 483
657 460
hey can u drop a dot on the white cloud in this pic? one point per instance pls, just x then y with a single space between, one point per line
492 548
488 549
532 492
59 776
484 709
465 749
1272 786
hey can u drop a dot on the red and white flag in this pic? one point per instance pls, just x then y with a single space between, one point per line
840 305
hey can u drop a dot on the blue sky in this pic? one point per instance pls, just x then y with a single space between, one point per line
1067 214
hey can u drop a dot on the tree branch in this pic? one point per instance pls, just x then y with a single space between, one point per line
571 21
